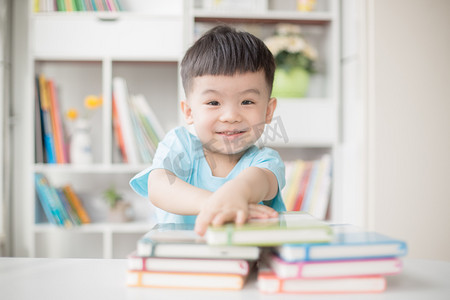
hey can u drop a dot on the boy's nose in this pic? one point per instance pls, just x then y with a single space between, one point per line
230 114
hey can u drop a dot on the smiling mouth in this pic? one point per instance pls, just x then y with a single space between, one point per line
231 133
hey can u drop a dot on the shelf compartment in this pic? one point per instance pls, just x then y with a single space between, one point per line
314 124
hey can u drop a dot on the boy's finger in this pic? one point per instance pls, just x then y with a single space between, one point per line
201 224
240 217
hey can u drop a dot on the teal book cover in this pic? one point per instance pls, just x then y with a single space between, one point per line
349 242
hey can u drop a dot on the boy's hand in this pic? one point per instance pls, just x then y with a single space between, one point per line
221 208
230 206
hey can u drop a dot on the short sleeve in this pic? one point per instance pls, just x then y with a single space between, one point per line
269 159
172 154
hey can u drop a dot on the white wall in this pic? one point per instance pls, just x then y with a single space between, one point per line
409 123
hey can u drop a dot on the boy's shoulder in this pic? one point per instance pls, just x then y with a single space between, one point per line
262 152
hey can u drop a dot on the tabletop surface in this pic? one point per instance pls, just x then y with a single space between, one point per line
41 278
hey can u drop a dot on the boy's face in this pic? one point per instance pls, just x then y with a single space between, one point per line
229 112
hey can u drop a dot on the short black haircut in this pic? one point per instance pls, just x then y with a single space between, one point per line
225 51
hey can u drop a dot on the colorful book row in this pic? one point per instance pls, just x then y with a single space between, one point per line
62 206
308 186
137 130
76 5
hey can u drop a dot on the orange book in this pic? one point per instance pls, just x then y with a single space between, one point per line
303 184
118 131
76 204
269 283
58 133
178 280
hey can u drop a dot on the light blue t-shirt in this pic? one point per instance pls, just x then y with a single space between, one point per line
182 153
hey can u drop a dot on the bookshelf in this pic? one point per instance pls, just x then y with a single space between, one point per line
84 51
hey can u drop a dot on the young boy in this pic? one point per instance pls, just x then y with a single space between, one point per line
219 175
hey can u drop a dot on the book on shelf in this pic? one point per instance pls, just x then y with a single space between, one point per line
121 96
76 5
72 214
51 125
57 125
136 126
288 227
178 280
118 133
146 113
58 204
39 149
181 241
335 268
76 204
143 143
308 186
268 282
302 186
51 204
47 130
348 242
188 265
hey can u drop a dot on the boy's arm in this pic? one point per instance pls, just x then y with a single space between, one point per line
231 201
174 195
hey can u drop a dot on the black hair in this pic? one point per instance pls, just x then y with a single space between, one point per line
226 51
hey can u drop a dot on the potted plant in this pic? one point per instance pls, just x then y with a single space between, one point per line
119 210
294 58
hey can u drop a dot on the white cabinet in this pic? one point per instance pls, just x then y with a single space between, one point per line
83 52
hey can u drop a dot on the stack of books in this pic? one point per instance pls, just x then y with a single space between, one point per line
174 256
294 253
355 261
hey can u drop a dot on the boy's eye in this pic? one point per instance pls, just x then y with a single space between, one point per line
213 103
247 102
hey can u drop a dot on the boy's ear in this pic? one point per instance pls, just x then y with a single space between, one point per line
187 112
270 109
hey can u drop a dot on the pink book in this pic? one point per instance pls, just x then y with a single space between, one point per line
334 269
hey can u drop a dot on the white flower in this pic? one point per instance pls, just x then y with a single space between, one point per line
295 44
290 49
310 52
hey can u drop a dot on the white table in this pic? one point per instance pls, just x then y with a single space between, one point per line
40 278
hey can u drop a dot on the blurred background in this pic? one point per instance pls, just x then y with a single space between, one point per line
369 114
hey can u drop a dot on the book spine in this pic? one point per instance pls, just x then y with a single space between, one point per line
39 136
44 190
76 204
42 196
70 212
118 133
48 134
142 143
58 131
121 95
303 185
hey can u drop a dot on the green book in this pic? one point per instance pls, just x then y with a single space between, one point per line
289 227
180 241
